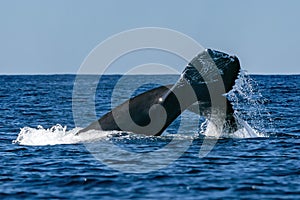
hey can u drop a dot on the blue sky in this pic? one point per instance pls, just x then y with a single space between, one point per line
54 36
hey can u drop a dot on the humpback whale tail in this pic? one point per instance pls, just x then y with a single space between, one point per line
151 112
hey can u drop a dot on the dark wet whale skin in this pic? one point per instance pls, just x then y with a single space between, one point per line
163 101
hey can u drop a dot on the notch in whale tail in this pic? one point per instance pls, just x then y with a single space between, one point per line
143 114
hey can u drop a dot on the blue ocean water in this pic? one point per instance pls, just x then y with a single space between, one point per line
266 165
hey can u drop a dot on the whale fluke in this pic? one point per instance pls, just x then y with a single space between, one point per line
151 112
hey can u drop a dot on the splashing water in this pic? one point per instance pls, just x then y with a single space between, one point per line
210 129
247 101
57 135
249 109
249 112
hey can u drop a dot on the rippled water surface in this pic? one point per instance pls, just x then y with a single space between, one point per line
266 166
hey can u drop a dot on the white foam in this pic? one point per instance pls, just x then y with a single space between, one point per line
244 131
56 135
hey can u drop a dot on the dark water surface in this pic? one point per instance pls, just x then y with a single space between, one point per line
248 168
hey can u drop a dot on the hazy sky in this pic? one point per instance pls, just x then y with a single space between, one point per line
55 36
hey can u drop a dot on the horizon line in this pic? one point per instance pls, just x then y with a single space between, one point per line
32 74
